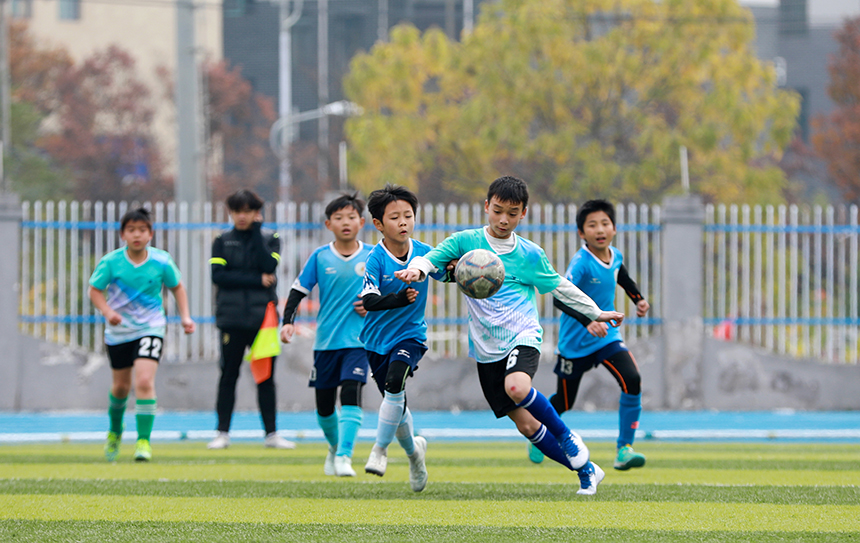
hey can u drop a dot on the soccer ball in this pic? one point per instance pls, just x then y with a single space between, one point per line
479 273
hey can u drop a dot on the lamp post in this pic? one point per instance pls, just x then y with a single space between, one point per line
288 17
281 134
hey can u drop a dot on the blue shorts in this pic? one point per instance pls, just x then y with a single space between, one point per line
409 351
564 367
332 368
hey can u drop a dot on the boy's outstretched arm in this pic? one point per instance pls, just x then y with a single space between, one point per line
376 302
182 303
290 310
570 295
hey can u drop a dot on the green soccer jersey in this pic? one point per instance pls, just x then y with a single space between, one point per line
135 292
510 317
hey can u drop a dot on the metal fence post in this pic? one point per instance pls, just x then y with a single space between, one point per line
10 363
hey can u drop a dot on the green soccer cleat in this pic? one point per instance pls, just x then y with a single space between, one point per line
143 451
112 446
535 454
628 458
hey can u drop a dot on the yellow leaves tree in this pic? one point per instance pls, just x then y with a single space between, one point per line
581 98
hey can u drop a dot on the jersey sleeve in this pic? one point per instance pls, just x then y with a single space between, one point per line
171 275
450 249
544 278
307 279
372 272
101 277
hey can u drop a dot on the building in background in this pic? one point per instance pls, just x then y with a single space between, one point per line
144 28
797 35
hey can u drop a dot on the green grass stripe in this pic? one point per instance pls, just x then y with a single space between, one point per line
575 513
399 472
156 532
819 495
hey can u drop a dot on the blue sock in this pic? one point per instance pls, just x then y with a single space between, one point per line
350 422
548 444
390 415
329 428
540 408
629 408
405 431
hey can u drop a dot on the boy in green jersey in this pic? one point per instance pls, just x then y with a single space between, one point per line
504 330
126 287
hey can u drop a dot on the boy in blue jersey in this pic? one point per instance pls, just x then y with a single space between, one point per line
339 356
504 330
395 331
583 345
126 288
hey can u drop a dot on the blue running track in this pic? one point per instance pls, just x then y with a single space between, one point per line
842 426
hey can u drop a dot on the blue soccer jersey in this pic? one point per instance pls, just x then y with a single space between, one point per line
340 280
384 329
597 279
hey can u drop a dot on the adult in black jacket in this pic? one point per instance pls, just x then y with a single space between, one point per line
243 266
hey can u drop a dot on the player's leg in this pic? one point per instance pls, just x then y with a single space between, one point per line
569 376
521 365
349 424
146 403
351 376
623 367
232 351
328 420
121 362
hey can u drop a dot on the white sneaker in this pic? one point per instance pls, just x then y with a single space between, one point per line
590 476
378 461
328 467
274 441
221 441
417 468
343 466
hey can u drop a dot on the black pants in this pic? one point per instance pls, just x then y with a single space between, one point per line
233 344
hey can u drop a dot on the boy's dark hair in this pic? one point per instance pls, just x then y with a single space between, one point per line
136 215
509 189
344 201
241 199
593 206
380 198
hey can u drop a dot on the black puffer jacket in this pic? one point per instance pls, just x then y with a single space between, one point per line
239 260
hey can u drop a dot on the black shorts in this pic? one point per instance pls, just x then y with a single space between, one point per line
123 355
492 376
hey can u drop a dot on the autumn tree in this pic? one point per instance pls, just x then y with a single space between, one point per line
578 98
239 122
836 137
101 130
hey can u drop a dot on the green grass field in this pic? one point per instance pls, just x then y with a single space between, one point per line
477 492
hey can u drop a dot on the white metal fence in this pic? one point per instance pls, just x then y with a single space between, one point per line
784 278
62 242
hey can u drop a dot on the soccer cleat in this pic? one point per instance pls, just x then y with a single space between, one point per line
221 441
535 454
112 446
628 458
417 468
142 451
328 467
274 441
343 466
574 449
590 476
378 461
